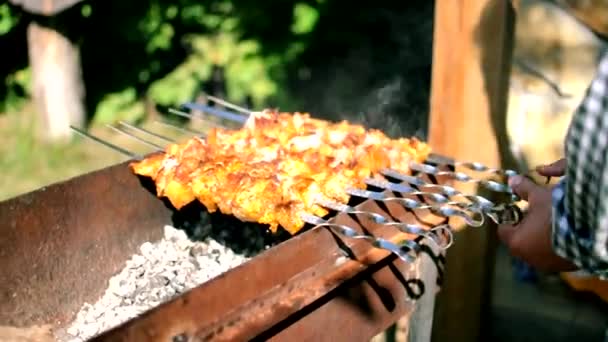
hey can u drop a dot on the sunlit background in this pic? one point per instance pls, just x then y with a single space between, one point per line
99 62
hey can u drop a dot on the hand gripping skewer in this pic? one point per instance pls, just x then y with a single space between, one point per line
436 198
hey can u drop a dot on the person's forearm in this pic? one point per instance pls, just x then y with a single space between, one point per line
580 220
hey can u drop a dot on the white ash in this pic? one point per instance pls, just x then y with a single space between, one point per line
160 272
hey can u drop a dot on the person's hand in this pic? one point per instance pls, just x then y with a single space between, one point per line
530 239
555 169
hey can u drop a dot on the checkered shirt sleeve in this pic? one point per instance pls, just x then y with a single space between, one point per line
580 199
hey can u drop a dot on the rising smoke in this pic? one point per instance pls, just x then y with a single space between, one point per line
375 70
384 109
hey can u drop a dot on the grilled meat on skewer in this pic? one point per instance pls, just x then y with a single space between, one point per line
276 167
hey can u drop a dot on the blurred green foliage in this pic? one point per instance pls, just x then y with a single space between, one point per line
330 57
166 52
364 61
14 74
8 19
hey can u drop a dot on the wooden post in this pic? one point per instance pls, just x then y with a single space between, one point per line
58 88
471 65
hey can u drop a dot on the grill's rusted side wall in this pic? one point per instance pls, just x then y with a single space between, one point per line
59 245
297 297
316 286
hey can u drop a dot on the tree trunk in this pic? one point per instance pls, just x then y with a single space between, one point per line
58 89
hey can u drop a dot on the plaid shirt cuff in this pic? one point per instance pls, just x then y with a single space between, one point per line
572 242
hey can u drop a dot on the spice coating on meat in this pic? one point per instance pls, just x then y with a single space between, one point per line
276 167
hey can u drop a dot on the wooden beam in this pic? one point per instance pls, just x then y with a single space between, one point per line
471 65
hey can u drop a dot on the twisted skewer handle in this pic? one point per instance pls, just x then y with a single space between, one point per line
470 213
434 234
463 177
507 213
406 250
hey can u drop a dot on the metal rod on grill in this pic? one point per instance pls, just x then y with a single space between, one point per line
473 166
133 136
406 250
190 116
142 130
446 192
405 189
445 210
217 112
228 104
462 177
407 228
105 143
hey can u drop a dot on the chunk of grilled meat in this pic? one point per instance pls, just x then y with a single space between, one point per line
276 167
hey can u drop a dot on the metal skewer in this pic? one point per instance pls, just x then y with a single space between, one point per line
105 143
133 136
229 105
217 112
407 228
462 177
475 202
145 131
194 117
407 250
